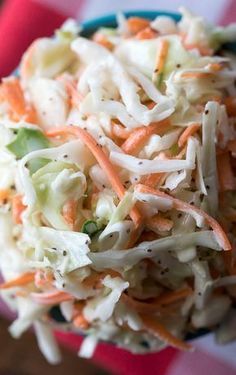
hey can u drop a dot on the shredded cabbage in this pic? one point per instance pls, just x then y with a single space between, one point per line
82 246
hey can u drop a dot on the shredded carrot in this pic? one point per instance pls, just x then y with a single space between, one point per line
43 279
158 222
150 104
146 33
225 172
120 131
158 303
152 179
155 328
24 279
197 75
216 67
102 40
147 236
140 135
134 236
102 159
155 179
4 195
74 96
173 296
51 298
186 207
230 103
231 146
161 56
12 92
95 279
188 132
80 322
17 208
69 212
136 24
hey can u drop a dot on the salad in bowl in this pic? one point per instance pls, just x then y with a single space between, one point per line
117 187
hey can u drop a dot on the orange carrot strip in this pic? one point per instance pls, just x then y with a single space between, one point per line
24 279
95 279
196 75
152 179
4 194
102 40
138 137
159 222
51 298
136 24
190 130
225 172
103 160
69 212
43 279
173 296
230 103
155 328
80 322
166 298
161 57
13 94
186 207
17 208
146 33
216 67
75 97
120 131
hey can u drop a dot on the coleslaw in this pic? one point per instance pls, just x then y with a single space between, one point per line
117 193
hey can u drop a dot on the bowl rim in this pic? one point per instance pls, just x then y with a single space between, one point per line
109 20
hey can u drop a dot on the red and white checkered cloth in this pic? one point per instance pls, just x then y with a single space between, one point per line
21 21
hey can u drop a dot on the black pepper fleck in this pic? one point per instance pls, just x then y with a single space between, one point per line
178 66
140 163
64 253
149 250
206 112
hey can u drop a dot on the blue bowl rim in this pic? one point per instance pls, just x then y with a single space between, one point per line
109 20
